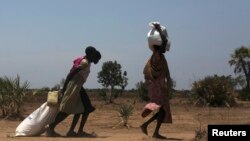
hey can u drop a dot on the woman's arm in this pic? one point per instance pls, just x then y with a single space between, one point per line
163 38
69 77
169 80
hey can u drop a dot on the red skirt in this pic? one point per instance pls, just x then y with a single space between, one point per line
158 98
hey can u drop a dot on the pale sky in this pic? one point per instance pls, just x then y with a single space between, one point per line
40 38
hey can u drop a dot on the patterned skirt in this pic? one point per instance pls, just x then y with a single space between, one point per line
158 98
71 101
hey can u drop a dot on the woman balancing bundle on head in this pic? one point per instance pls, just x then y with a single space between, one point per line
157 77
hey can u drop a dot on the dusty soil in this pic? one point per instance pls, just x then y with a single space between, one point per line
187 119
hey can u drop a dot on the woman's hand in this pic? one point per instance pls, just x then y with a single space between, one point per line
157 26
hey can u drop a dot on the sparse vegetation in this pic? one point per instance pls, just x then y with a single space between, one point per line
12 95
200 133
214 91
125 111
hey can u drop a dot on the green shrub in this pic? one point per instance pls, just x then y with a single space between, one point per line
125 111
215 91
12 95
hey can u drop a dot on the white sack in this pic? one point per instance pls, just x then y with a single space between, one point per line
154 37
35 123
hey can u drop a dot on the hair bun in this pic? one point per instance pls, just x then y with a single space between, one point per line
90 50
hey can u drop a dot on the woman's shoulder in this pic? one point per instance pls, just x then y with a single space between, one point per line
84 63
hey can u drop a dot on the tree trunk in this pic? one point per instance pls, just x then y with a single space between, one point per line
111 95
247 75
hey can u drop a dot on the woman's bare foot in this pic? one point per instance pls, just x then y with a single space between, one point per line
87 135
52 133
71 134
158 136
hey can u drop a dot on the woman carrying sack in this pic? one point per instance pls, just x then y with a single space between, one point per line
71 102
157 77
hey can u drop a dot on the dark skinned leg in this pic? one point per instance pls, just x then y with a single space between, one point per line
73 125
145 125
88 108
83 121
160 119
81 132
59 118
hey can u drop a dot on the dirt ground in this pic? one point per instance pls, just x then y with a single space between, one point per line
187 119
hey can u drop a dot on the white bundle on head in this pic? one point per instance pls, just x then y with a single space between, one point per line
154 37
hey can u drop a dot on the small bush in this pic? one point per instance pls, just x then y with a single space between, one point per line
12 96
125 111
215 91
200 135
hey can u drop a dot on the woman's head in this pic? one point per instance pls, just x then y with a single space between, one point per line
97 57
92 54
